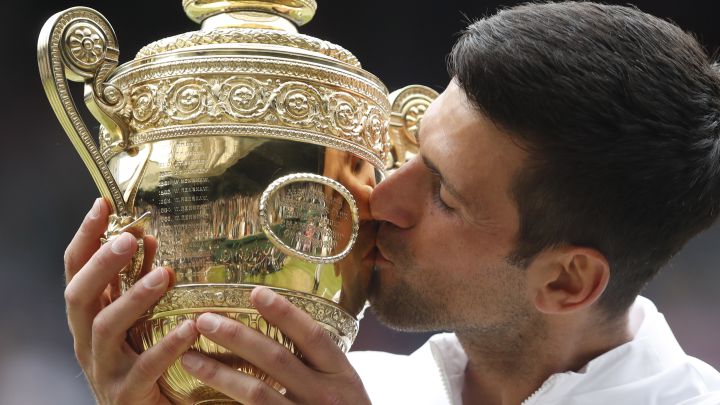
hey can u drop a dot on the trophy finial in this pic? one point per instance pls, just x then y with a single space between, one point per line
284 15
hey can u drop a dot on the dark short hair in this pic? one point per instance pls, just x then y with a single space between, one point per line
619 112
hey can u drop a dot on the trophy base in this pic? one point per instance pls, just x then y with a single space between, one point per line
232 300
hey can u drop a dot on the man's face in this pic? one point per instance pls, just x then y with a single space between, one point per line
449 223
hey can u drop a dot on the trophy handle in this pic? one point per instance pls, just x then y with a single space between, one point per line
273 198
408 108
80 45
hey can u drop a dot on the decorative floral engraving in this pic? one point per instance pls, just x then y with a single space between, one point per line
412 120
86 44
143 103
329 315
112 95
222 99
347 113
248 36
68 31
202 297
186 99
375 129
244 97
298 103
364 85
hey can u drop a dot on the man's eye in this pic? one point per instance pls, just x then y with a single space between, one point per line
437 199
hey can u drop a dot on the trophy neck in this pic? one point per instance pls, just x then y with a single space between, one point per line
249 19
281 15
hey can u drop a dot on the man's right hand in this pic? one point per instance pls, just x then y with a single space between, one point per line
99 325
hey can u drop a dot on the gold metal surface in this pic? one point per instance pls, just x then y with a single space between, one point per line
233 301
408 107
298 12
301 199
220 36
241 147
80 45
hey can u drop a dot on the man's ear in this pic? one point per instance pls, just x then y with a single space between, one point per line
567 279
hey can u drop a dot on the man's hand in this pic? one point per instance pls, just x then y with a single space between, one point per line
99 325
324 376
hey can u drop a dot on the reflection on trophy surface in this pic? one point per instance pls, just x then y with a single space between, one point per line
248 150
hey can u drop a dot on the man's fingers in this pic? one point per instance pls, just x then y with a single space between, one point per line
110 326
83 292
236 384
87 238
152 363
308 335
151 246
265 353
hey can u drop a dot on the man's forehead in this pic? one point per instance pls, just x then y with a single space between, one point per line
441 114
447 118
443 148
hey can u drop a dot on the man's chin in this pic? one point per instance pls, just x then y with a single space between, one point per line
394 308
398 322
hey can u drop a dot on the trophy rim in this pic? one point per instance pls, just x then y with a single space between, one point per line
250 60
213 51
248 36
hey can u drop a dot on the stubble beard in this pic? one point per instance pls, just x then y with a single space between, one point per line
429 307
402 308
400 305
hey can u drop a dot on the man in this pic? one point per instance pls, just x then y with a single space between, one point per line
576 149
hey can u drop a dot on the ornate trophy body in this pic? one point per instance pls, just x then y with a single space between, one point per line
243 147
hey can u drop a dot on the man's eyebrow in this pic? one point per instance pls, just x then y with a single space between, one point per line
450 188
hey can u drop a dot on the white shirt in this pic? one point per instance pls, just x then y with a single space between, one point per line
651 369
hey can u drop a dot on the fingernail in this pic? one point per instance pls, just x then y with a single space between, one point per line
122 243
192 361
208 322
264 296
155 279
94 212
185 330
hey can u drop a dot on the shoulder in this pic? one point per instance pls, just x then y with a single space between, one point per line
399 379
651 369
389 378
371 363
712 398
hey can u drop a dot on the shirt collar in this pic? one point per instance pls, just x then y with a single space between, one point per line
653 336
451 360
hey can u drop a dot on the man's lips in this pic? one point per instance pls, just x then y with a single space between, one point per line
370 256
380 257
375 256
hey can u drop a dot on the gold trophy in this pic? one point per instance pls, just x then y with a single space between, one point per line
243 148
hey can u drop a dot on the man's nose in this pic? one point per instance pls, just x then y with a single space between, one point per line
398 198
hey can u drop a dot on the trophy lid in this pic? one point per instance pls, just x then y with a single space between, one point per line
247 71
268 22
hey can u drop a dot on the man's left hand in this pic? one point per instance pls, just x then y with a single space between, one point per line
324 376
